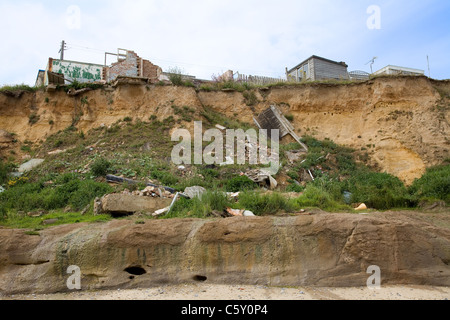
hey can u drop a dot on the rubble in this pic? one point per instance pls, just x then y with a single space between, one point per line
240 212
195 191
262 177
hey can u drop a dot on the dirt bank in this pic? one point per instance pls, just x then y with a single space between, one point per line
322 250
402 122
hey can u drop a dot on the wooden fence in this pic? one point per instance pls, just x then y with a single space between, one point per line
257 80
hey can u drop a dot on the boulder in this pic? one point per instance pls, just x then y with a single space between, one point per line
29 165
313 250
123 204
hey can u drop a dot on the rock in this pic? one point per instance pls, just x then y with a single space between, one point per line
97 206
235 212
57 151
160 211
218 126
195 191
362 206
85 209
323 250
273 183
49 221
29 165
123 204
248 213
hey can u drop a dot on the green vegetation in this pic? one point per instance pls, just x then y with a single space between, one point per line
199 208
18 87
33 118
78 85
177 78
265 204
50 193
21 220
141 150
100 167
433 185
240 183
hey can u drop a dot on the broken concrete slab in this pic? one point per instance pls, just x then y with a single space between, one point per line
160 211
262 176
118 204
29 165
195 191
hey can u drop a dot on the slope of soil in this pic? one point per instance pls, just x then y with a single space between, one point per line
401 122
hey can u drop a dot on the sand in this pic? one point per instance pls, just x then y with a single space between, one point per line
205 291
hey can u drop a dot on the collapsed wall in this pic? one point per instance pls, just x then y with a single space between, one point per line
401 122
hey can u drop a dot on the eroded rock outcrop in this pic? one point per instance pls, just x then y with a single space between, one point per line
316 250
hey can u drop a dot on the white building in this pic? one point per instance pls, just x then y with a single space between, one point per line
395 70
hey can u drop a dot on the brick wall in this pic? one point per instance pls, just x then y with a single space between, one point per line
127 67
151 71
132 66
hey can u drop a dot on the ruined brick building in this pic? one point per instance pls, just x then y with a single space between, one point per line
128 64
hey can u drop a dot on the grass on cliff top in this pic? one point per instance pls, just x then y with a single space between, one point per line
19 87
22 221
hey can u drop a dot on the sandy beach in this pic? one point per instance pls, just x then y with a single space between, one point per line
205 291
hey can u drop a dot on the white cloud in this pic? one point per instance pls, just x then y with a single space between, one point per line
203 37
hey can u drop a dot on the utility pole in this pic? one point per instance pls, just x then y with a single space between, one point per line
63 47
428 62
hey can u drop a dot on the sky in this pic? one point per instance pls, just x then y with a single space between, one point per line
205 38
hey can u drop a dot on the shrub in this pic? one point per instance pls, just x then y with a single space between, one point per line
69 191
33 118
4 170
434 184
250 98
100 167
293 187
265 204
378 190
175 76
289 117
165 177
314 196
240 183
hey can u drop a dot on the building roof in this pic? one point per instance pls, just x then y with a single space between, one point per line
320 58
412 70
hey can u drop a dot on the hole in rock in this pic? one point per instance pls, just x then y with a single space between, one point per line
137 271
200 278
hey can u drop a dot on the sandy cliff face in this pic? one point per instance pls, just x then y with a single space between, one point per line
402 122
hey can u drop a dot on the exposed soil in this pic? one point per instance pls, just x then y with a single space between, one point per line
401 122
